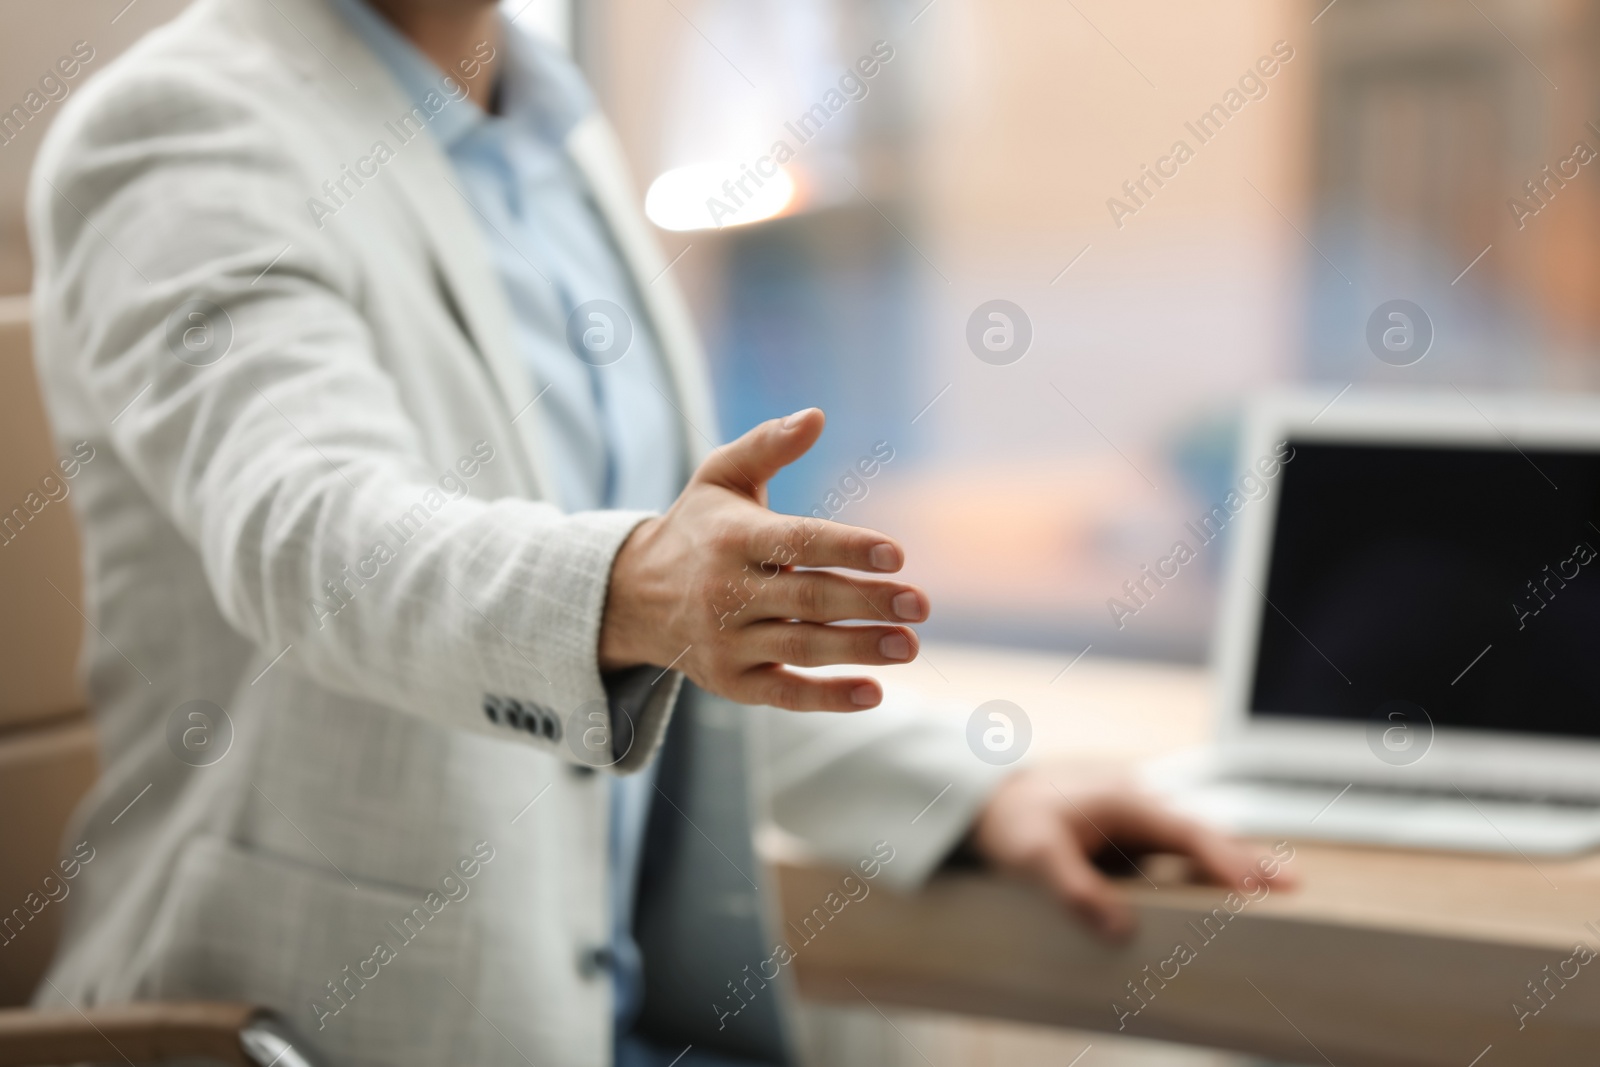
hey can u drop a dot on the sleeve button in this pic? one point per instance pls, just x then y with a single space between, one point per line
595 959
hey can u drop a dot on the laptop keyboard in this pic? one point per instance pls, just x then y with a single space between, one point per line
1508 794
1501 821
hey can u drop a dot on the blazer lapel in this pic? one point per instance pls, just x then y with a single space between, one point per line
363 90
441 208
593 146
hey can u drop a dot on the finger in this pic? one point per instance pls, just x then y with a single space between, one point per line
804 541
822 596
747 464
1218 858
1072 878
781 688
810 644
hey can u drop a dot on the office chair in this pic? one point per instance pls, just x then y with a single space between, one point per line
47 763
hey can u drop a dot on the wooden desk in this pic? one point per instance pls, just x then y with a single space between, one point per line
1381 958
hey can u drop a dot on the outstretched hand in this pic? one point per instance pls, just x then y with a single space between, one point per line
719 587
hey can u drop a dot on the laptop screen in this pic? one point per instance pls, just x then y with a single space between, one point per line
1465 580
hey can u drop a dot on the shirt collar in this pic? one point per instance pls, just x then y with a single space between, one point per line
540 87
543 87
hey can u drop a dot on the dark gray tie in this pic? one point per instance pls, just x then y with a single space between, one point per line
698 917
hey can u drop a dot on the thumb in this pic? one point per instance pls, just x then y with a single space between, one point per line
746 465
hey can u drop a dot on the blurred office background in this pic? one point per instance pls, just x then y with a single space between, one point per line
1380 163
1386 158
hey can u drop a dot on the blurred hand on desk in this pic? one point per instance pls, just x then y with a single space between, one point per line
1051 835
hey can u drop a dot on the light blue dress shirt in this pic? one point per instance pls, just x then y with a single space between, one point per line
611 438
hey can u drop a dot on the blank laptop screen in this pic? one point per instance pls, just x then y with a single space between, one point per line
1463 580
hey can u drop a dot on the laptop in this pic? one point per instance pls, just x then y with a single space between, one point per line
1409 643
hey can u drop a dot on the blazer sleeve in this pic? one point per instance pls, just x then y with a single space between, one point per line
900 775
281 462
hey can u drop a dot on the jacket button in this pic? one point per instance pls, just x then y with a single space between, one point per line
491 709
527 717
595 959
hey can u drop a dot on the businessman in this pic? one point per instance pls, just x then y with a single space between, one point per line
407 537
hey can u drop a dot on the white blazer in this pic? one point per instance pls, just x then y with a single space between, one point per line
389 840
